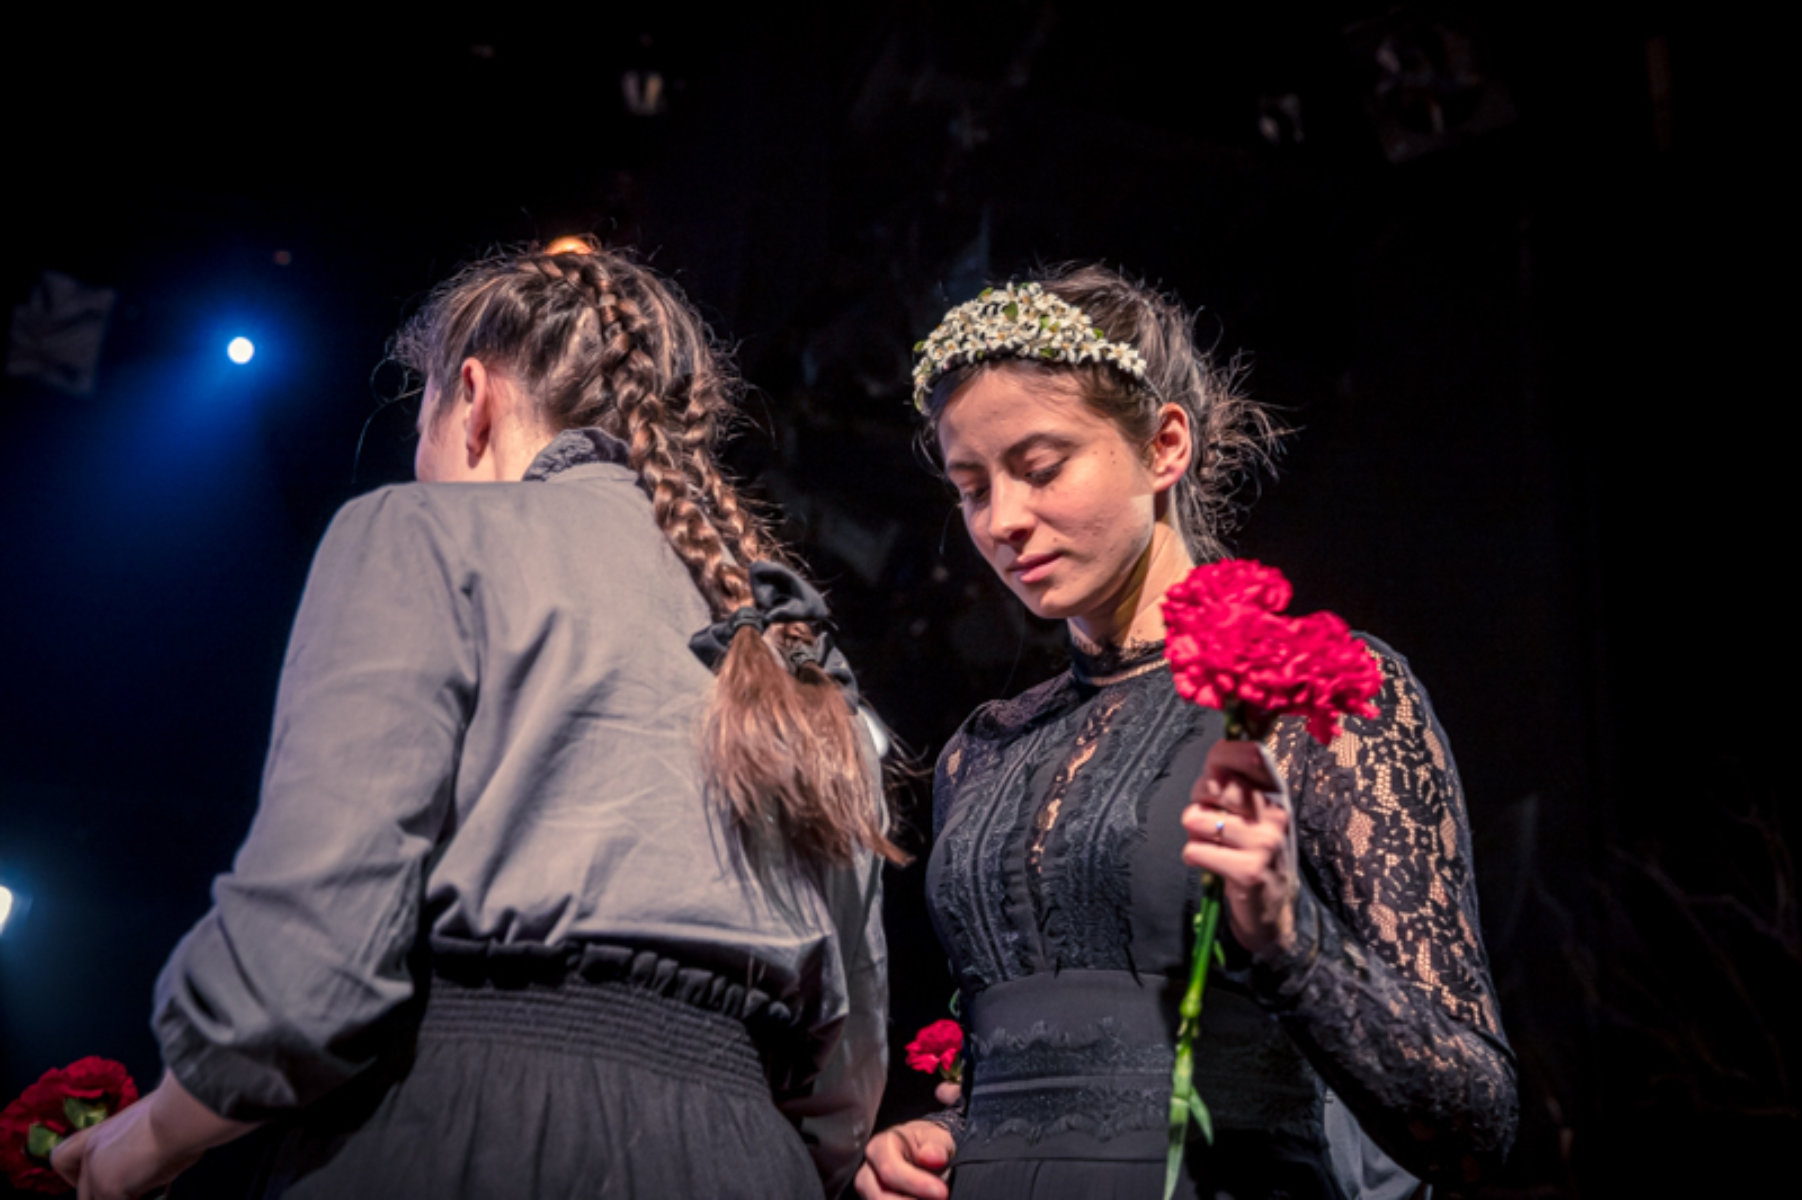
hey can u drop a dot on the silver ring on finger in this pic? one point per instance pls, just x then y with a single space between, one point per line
1220 831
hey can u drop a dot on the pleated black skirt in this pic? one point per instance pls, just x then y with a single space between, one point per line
576 1090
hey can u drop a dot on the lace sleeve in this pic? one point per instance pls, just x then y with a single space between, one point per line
1388 988
951 1120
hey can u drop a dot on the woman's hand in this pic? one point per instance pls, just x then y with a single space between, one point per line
119 1158
143 1147
907 1162
1239 828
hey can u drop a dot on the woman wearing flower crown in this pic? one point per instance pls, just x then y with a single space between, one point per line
535 902
1351 1044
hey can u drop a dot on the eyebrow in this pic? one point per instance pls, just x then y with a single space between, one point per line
1031 441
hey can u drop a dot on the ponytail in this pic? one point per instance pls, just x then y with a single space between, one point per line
785 758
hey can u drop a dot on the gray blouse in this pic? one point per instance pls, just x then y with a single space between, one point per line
487 730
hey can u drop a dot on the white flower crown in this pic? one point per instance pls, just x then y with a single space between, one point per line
1020 320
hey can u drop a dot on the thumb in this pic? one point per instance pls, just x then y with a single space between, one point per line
65 1159
928 1151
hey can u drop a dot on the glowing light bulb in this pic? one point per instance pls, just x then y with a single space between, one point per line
240 350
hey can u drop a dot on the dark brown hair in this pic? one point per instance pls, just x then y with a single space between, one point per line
1234 436
598 339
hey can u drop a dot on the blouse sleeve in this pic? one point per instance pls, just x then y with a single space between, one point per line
1388 988
837 1109
279 994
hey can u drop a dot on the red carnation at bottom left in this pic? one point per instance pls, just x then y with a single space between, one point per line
61 1103
936 1048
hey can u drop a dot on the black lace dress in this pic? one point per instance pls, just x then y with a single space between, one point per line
1057 887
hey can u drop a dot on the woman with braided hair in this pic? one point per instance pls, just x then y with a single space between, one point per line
564 880
1351 1047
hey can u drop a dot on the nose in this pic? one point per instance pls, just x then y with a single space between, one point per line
1009 515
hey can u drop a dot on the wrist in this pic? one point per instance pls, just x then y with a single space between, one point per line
1284 940
949 1121
181 1127
1279 970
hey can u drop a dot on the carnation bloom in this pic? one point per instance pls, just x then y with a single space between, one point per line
61 1102
936 1047
1230 647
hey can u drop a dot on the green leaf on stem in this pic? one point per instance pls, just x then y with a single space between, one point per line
40 1140
1179 1129
83 1114
1203 1118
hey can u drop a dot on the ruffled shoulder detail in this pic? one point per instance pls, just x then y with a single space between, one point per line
993 725
1008 719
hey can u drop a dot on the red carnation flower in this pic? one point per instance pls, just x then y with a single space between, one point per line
1232 649
62 1101
1240 582
936 1048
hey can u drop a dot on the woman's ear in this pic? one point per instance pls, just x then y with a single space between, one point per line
479 388
1172 447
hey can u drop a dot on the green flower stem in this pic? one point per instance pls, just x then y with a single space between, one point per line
1244 723
1185 1102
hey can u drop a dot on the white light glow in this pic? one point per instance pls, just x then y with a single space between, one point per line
240 350
6 906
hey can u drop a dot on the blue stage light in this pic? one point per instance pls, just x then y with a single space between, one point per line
240 350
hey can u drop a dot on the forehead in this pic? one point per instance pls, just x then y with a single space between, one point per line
1004 409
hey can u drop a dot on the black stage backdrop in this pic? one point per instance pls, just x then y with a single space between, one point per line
1498 266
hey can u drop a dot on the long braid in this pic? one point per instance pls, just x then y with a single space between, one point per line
599 340
634 369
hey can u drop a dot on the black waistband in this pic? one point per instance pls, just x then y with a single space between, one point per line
613 1021
1077 1064
720 988
1078 1061
616 1003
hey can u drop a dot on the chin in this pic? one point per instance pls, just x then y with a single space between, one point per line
1047 605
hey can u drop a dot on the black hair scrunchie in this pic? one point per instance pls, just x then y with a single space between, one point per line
738 619
778 594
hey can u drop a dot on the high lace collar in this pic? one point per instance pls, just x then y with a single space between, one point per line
1111 664
573 448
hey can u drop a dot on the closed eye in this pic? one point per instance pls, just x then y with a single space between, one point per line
972 488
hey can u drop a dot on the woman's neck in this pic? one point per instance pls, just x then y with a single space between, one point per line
1137 616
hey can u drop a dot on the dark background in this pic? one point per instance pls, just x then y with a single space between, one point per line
1504 268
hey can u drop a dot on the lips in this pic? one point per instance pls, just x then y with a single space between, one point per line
1033 567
